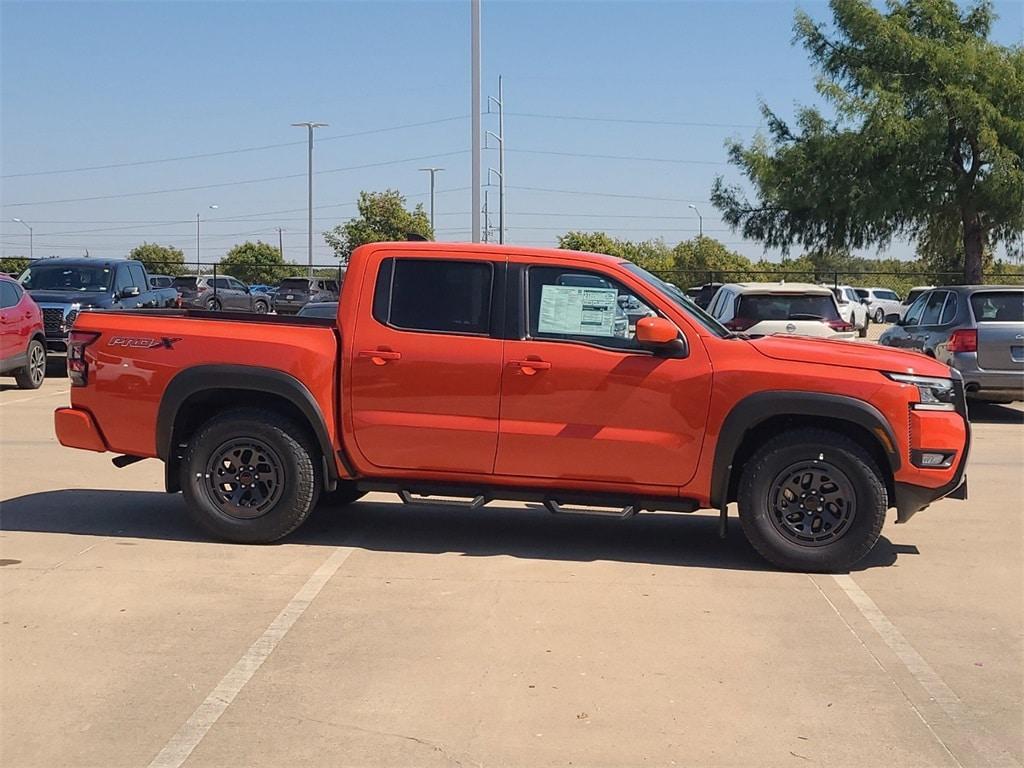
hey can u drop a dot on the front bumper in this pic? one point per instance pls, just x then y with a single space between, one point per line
912 498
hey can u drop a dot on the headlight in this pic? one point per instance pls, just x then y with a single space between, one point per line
933 394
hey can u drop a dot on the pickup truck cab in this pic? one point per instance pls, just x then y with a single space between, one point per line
472 372
65 287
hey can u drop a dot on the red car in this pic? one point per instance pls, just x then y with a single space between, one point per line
22 339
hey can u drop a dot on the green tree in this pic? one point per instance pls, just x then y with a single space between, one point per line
652 255
706 254
382 217
160 259
928 134
257 262
14 265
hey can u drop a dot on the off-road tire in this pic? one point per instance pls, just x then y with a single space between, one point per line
33 374
766 530
296 461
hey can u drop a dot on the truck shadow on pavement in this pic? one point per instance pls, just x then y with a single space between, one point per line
683 540
990 413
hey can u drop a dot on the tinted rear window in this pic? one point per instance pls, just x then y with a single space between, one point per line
773 306
998 306
295 284
319 310
184 282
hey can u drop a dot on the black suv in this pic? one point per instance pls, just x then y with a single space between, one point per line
295 292
215 293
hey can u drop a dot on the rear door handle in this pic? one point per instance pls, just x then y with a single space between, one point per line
530 367
380 356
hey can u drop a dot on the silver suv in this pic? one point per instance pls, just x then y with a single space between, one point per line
977 329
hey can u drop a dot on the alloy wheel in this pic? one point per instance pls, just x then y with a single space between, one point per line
245 478
812 503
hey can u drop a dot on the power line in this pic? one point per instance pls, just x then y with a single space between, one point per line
633 121
233 183
223 152
617 157
610 194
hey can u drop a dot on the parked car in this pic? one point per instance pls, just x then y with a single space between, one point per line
160 281
217 293
294 292
851 308
760 309
472 371
911 297
976 329
880 302
260 288
319 309
703 294
65 287
22 338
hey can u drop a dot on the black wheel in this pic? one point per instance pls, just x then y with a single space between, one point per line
260 307
342 496
812 500
879 315
213 305
250 476
32 375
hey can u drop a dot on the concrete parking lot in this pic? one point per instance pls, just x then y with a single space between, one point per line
390 636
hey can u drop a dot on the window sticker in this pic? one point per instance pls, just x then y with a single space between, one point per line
566 309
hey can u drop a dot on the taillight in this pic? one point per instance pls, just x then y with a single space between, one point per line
839 325
740 323
78 367
963 340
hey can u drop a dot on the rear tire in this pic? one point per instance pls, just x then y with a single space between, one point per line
879 315
250 476
260 307
34 372
213 305
812 500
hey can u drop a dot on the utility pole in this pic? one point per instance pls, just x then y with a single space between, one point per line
199 268
500 138
280 242
310 126
31 248
475 112
432 172
700 221
487 218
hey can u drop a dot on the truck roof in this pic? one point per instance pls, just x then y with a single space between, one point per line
467 250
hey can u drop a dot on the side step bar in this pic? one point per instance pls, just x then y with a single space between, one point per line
412 497
577 509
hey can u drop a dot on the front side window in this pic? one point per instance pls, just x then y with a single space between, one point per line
565 303
138 276
887 295
913 316
123 281
434 295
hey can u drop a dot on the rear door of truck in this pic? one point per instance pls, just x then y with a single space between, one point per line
426 359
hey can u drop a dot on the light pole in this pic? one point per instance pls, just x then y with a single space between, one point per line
199 268
310 126
700 221
280 242
30 243
432 171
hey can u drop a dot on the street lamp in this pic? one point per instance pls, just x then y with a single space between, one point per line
700 220
30 243
310 127
199 268
432 171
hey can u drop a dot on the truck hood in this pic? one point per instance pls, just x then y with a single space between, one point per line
85 298
848 354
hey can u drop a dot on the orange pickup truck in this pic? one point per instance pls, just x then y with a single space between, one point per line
465 373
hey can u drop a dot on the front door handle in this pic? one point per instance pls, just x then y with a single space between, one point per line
380 356
530 367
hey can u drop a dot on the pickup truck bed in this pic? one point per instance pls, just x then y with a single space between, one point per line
474 372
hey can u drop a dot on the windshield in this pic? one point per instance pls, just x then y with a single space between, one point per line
58 278
680 299
792 306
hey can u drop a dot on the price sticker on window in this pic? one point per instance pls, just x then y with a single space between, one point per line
566 309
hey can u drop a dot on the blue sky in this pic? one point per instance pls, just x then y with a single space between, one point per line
93 84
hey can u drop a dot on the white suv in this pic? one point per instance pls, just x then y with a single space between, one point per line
880 302
851 308
760 309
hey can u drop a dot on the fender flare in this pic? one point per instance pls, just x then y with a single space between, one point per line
761 406
209 378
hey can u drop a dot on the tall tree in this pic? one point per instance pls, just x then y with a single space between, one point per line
652 255
14 265
160 259
928 134
706 254
382 217
257 262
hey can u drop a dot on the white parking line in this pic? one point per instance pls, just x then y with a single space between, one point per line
181 745
990 751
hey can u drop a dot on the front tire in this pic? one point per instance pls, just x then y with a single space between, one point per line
261 308
34 372
250 476
812 500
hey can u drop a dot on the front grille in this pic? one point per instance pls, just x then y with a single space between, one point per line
53 321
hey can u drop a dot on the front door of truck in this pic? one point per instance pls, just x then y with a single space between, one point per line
424 366
581 400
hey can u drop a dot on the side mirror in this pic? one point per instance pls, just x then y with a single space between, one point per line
660 336
893 318
130 292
